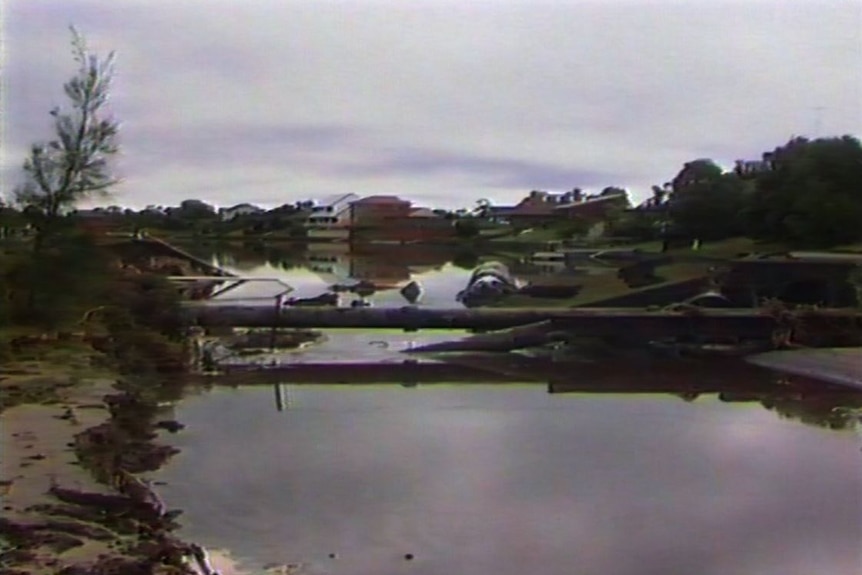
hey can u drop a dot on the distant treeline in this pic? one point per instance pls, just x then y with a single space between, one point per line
805 193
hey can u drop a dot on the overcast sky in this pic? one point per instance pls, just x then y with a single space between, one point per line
442 102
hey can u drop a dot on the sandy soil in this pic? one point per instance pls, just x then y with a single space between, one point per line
36 452
75 451
37 449
57 517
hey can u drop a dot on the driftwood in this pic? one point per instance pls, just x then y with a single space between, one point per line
101 500
140 492
202 560
363 288
266 339
551 291
324 299
135 495
531 335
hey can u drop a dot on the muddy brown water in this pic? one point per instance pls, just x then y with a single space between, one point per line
507 479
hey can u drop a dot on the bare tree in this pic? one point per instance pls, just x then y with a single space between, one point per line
74 165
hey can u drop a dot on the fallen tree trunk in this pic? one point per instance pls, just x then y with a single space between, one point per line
633 323
531 335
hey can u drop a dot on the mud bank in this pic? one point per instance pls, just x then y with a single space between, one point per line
75 499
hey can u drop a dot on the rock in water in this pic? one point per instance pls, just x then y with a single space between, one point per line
412 292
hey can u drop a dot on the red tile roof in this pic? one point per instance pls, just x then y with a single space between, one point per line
423 213
532 209
381 200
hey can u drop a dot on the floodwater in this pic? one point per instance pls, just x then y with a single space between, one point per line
511 480
507 478
311 273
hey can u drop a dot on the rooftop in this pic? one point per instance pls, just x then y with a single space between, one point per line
381 200
333 199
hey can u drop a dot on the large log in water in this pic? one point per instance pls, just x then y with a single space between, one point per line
733 378
624 322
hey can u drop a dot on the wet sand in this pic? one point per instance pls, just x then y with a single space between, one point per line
37 451
65 442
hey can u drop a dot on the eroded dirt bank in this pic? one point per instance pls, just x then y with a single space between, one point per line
77 444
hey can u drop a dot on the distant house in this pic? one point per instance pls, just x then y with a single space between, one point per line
423 213
375 210
228 214
332 211
390 219
594 208
651 205
536 208
543 207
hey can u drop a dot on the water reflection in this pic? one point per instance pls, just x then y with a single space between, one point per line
809 401
511 479
316 268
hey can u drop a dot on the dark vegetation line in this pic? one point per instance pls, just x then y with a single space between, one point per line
803 194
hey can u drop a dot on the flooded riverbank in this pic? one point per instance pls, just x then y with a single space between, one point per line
610 466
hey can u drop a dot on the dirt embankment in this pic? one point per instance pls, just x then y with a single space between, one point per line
75 441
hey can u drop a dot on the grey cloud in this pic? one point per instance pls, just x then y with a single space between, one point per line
491 171
212 146
493 98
